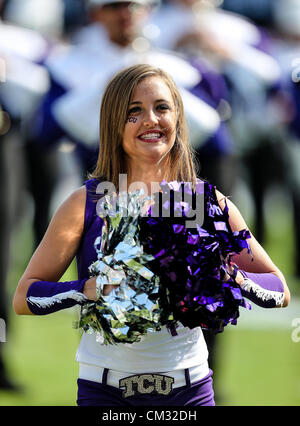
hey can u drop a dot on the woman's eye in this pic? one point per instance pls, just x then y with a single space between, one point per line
134 110
163 107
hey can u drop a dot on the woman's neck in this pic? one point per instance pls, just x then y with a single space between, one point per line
142 175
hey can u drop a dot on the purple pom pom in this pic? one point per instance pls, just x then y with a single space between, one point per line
192 264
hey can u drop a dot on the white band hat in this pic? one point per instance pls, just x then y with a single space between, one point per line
99 3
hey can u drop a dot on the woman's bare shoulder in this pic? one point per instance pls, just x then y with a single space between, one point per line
75 201
236 219
222 199
70 213
77 196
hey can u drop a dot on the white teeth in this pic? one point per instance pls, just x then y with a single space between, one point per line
151 136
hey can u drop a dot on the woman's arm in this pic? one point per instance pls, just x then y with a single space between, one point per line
57 249
258 261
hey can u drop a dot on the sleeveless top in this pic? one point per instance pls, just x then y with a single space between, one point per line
157 351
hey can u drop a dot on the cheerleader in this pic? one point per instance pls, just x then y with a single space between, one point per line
160 369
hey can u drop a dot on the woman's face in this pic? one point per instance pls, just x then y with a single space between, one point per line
150 130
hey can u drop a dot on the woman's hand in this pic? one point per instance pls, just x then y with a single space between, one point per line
239 278
89 289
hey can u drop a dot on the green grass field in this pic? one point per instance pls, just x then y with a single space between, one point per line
257 365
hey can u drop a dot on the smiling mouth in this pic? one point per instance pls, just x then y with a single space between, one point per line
151 137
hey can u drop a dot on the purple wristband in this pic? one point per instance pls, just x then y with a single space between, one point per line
44 297
265 290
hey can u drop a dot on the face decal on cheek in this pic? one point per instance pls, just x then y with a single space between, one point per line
131 120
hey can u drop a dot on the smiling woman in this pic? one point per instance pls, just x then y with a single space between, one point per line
148 123
149 140
143 135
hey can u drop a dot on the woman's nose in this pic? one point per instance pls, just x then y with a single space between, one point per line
150 119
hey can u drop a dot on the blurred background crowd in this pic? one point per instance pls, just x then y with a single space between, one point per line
236 62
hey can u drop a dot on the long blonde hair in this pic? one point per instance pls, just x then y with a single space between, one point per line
113 115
